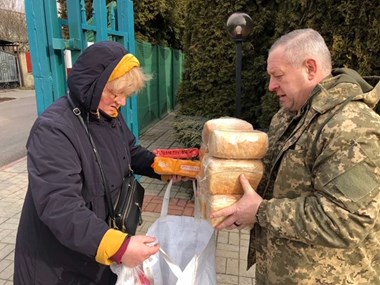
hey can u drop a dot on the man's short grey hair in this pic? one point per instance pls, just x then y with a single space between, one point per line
302 44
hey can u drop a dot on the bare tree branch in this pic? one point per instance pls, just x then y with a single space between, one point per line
8 5
13 26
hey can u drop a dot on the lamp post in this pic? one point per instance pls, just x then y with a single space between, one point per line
239 26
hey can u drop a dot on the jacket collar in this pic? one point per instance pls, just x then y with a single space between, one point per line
337 88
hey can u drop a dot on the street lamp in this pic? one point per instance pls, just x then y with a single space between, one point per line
239 26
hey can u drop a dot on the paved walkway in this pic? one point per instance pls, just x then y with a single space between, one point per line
232 246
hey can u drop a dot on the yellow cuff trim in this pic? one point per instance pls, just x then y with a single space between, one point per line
109 245
125 65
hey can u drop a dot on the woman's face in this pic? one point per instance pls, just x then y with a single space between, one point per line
115 96
111 102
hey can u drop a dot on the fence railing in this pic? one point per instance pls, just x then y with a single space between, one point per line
159 96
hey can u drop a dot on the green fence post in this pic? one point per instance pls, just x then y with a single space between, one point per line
148 99
125 19
48 62
76 33
176 73
165 78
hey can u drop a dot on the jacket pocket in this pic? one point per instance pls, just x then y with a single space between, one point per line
349 175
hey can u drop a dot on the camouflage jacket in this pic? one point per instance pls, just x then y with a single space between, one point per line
319 222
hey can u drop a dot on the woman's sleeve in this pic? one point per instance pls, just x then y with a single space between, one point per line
141 158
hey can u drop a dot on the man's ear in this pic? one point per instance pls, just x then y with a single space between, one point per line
311 68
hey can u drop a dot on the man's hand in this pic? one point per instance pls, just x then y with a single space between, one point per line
139 248
243 212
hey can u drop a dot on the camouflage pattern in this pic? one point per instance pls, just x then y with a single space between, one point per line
319 222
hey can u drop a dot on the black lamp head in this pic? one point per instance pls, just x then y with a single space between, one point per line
239 26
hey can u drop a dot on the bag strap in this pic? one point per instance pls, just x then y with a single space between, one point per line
107 191
164 211
166 199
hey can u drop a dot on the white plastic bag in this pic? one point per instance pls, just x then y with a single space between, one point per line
130 276
188 245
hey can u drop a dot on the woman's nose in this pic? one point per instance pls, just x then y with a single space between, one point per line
121 100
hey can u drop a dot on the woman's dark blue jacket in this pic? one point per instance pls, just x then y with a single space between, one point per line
64 213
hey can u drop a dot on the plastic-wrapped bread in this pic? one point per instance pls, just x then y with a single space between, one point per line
212 203
225 124
172 166
202 203
202 151
221 176
218 202
238 145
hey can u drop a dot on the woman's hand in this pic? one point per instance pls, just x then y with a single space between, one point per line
176 178
140 248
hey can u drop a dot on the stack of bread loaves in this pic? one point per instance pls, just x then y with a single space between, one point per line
230 147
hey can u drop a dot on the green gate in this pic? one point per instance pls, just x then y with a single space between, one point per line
48 42
50 36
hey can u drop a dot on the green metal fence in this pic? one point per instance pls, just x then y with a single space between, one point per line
159 97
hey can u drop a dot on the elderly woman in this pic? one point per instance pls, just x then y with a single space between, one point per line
63 236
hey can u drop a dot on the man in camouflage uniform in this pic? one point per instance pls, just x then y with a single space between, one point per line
317 213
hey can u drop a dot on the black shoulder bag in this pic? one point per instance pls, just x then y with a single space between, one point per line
125 213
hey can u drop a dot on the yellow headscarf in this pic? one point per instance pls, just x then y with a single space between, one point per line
128 62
